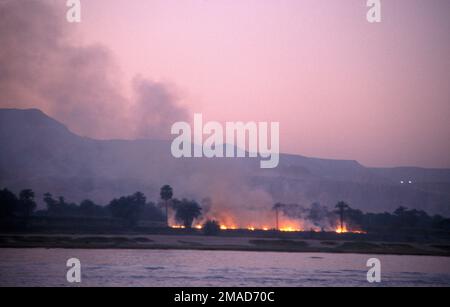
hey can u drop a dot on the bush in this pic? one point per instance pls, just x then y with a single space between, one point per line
211 228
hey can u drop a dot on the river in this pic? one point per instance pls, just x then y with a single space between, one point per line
47 267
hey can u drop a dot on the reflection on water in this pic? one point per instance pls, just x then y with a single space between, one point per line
46 267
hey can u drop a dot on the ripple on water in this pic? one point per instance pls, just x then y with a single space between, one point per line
31 267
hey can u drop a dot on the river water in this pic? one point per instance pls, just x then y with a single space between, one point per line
47 267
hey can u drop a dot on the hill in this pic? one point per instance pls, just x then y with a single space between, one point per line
40 153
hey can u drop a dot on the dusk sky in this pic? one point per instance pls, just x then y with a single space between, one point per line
339 86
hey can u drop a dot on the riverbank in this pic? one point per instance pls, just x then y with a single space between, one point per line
175 242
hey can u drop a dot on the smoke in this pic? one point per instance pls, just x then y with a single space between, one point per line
155 110
315 216
40 67
78 85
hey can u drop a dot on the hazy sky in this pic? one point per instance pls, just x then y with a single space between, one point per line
339 86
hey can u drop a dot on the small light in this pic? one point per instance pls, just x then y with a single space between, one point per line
402 182
410 182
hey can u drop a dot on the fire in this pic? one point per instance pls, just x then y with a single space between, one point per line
177 227
286 225
290 225
226 227
289 229
228 222
342 229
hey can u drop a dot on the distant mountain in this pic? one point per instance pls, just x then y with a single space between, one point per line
40 153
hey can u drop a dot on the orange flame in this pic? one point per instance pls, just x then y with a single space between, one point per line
226 227
344 229
290 225
340 229
177 227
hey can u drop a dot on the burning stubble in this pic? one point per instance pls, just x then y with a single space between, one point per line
281 217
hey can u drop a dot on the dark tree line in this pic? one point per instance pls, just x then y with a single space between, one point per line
355 219
22 206
401 218
61 208
132 208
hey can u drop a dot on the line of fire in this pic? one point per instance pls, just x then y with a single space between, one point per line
281 224
280 218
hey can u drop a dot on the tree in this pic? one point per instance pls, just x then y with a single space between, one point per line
211 228
139 198
8 203
187 211
277 208
341 207
166 195
60 207
151 213
128 208
355 218
26 204
441 223
51 204
89 209
408 218
400 211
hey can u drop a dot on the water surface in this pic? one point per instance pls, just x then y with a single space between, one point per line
47 267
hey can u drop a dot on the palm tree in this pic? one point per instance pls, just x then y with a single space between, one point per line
342 206
27 204
277 208
166 195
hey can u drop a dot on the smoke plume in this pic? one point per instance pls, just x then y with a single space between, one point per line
78 85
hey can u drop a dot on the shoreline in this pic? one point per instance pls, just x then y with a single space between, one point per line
209 243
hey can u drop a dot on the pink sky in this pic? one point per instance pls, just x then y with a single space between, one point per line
339 86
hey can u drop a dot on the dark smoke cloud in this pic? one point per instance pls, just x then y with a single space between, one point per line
40 68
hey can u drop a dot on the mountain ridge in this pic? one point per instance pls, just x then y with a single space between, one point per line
41 153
